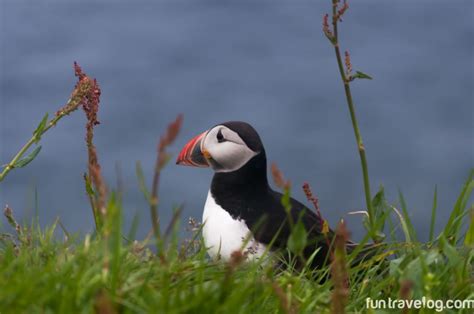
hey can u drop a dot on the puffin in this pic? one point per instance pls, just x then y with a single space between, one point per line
242 213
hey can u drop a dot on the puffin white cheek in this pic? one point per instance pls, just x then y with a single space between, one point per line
232 156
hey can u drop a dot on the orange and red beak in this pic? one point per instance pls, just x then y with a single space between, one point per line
191 154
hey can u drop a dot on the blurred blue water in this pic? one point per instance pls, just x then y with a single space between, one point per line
265 62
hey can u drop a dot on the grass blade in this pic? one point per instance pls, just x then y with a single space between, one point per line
453 226
433 213
141 181
40 128
469 239
25 161
407 225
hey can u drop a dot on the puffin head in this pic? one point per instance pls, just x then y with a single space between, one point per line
226 147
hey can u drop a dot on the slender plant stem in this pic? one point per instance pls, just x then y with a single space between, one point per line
161 159
154 199
90 196
350 103
31 141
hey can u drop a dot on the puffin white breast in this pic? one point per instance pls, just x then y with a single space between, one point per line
224 235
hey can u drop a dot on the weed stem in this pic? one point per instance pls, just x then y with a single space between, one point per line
34 139
346 80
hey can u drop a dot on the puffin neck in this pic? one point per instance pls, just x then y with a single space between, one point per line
249 179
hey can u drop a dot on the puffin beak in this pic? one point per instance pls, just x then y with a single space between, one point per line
191 154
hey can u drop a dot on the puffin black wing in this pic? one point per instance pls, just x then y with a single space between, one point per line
274 227
269 221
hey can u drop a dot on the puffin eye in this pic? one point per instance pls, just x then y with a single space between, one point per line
220 137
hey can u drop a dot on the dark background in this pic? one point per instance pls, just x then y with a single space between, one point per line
264 62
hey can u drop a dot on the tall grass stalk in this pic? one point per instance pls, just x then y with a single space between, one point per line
347 77
161 159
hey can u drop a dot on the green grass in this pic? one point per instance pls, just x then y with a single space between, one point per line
43 273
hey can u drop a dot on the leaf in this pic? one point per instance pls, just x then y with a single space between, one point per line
134 226
381 210
408 226
89 189
454 258
63 228
286 200
298 238
433 213
141 181
453 226
379 198
361 75
395 266
404 225
380 204
23 162
469 239
39 129
413 270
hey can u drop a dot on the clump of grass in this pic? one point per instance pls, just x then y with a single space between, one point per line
41 272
